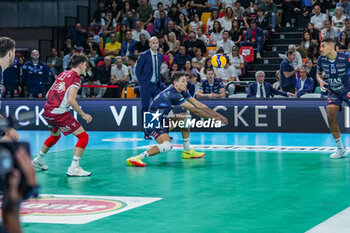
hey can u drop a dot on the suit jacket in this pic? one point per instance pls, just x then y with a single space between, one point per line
307 88
131 47
248 34
269 90
144 69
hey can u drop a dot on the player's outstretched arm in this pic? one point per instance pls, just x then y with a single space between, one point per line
321 81
202 110
72 100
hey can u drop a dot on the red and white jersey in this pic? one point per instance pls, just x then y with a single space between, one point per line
57 99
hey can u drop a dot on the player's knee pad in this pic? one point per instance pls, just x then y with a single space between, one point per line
165 147
52 140
83 140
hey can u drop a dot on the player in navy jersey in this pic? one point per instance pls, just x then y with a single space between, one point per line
334 67
175 95
7 57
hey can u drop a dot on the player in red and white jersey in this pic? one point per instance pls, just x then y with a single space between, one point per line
61 95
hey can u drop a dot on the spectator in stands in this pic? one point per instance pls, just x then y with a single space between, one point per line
311 72
226 44
227 74
214 17
78 36
89 72
173 14
306 41
298 61
288 77
66 59
346 26
329 32
313 53
226 21
112 92
263 22
304 84
188 68
160 7
91 45
319 18
195 24
67 45
116 10
254 37
144 13
345 5
201 36
138 31
112 49
207 64
91 92
262 89
245 23
197 6
173 69
238 11
128 46
314 33
199 57
182 23
172 42
36 75
161 24
130 20
190 86
141 45
108 25
55 62
182 57
171 28
290 8
183 6
99 13
162 44
121 35
120 72
216 35
12 80
103 72
131 62
196 82
236 60
192 43
211 87
236 32
277 84
270 10
343 44
338 18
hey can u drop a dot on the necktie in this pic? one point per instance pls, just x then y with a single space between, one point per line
261 91
155 67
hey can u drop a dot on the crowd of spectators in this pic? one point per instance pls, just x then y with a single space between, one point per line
120 31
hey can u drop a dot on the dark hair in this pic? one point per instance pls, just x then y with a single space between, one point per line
177 75
6 44
209 69
77 59
328 40
253 22
303 36
132 58
220 28
211 17
159 3
289 52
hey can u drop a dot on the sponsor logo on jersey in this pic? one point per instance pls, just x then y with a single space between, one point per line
59 87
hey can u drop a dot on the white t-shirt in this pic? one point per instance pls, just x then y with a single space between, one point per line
318 20
226 23
227 46
132 72
236 61
201 61
119 73
194 25
229 3
216 36
226 74
338 24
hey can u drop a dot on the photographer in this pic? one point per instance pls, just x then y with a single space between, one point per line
14 194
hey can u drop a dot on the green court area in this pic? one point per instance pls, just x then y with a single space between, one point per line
226 191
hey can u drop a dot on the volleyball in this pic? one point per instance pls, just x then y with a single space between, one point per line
218 60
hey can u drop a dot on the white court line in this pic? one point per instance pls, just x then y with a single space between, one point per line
339 223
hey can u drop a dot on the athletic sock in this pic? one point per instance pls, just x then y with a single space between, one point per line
75 161
41 156
339 144
186 144
143 155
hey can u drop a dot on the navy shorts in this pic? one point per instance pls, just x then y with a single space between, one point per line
337 99
155 133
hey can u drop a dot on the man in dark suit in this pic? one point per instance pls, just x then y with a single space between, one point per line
262 89
148 75
304 84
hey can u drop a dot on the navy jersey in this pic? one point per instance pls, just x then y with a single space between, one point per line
208 89
336 72
168 99
12 76
1 80
36 76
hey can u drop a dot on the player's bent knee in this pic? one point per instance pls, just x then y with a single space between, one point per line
165 147
52 140
83 140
